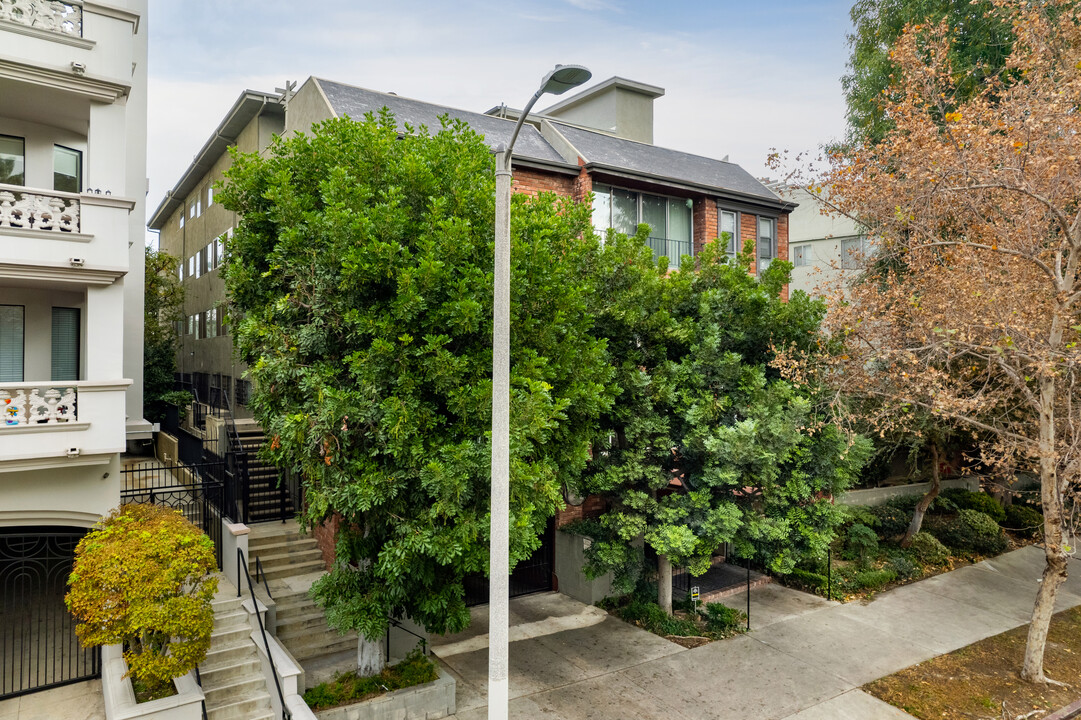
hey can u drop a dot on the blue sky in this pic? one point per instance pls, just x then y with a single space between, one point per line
740 77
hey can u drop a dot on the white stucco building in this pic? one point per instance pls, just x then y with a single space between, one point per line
72 193
824 246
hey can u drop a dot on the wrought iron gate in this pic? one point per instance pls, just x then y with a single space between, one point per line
530 576
38 647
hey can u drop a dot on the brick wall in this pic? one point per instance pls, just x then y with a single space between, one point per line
782 246
583 184
325 536
592 508
532 182
705 222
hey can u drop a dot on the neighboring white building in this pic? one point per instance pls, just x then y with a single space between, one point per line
72 192
824 246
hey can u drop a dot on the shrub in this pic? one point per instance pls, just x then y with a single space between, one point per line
143 577
869 579
861 545
928 550
650 616
904 564
891 520
721 618
345 688
971 531
1023 520
968 500
810 580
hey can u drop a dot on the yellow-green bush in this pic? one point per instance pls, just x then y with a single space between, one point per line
143 578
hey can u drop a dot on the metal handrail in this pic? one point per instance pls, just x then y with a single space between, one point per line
260 573
397 624
199 682
242 561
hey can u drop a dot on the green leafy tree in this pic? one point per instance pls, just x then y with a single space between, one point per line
361 282
698 404
144 577
982 48
163 305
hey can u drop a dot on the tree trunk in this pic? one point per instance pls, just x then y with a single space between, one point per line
926 500
664 583
371 656
1054 573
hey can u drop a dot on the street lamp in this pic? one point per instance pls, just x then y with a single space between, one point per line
561 79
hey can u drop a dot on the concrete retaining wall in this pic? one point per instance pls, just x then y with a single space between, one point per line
423 702
569 557
877 496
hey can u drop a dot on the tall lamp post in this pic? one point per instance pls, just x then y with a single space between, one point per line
561 79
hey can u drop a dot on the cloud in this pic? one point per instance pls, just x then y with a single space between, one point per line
592 5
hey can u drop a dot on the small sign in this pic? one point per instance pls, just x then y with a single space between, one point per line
694 597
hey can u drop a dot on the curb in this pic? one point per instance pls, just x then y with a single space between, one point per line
1072 710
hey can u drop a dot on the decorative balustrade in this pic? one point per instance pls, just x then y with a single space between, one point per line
27 210
37 404
51 15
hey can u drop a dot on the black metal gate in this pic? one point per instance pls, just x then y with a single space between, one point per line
38 647
529 576
197 491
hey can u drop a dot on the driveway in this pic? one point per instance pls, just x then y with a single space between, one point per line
804 659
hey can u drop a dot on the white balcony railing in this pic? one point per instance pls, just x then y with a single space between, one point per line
38 210
51 15
40 403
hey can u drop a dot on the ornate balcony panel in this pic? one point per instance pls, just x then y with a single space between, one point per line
36 211
37 404
51 15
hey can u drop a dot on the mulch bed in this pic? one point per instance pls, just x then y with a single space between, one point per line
982 681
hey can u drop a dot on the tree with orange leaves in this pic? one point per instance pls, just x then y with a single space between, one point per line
970 309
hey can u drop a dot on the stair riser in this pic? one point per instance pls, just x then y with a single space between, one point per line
224 656
288 627
284 614
278 562
304 652
229 636
218 697
242 710
218 676
298 569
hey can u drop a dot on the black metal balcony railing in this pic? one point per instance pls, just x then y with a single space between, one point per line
672 249
52 15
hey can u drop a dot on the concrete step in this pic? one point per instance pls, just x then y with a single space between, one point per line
229 654
240 686
309 645
278 548
290 611
248 707
227 637
231 619
313 620
218 674
301 568
276 533
294 557
226 604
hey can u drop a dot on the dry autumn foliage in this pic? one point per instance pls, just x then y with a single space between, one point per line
144 577
969 309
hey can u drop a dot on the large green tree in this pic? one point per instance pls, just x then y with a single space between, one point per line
982 47
706 444
361 283
163 303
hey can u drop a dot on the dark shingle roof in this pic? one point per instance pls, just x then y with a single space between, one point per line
649 160
355 102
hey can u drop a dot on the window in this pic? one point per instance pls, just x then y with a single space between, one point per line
67 169
243 392
11 343
767 243
801 255
219 250
728 231
65 357
12 159
181 216
203 263
191 267
669 219
209 196
212 322
198 207
191 324
191 209
200 326
180 271
853 251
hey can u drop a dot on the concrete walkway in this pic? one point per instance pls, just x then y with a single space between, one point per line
804 659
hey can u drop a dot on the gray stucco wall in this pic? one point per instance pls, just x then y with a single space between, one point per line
569 558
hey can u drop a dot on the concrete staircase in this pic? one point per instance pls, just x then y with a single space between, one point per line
265 499
232 675
292 562
283 551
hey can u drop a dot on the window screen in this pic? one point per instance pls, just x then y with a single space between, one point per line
11 343
65 343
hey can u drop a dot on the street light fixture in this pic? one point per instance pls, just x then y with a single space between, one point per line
561 79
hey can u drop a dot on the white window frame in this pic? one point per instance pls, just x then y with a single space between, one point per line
734 248
802 255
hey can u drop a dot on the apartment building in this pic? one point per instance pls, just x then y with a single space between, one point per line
72 213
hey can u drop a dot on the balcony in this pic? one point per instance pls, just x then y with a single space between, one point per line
48 15
60 423
50 211
672 249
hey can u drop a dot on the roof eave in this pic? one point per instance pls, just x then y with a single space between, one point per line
773 203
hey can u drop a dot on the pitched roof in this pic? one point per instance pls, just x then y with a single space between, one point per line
649 161
355 102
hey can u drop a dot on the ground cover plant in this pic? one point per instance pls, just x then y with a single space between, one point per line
144 578
869 555
686 625
981 682
348 688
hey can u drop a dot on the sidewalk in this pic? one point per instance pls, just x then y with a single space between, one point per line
804 659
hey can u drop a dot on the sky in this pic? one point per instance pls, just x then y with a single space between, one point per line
740 76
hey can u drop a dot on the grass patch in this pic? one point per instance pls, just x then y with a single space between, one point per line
975 681
348 688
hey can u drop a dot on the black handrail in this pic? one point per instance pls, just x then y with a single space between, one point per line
260 573
397 624
241 560
199 682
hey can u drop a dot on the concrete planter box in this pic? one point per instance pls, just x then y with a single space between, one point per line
570 555
422 702
120 696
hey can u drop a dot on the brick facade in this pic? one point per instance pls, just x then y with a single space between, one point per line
583 184
593 507
705 222
326 535
532 182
